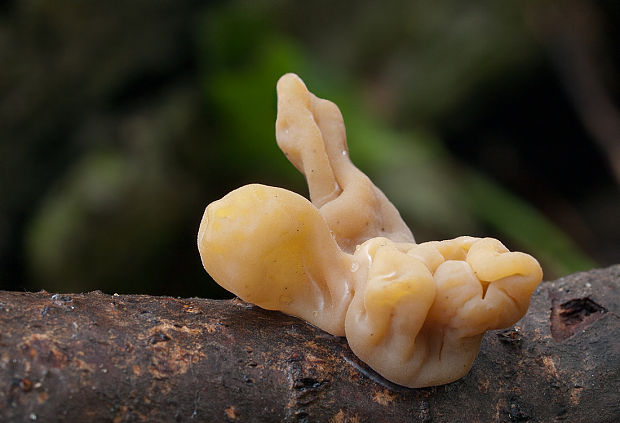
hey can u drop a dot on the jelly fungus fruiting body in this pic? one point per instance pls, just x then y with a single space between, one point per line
347 263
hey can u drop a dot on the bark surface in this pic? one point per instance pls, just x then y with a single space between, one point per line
131 358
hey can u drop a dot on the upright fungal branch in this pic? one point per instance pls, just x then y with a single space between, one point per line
347 263
311 133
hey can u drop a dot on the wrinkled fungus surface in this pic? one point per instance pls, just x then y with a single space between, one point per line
346 262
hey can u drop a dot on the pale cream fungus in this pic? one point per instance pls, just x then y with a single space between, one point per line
348 264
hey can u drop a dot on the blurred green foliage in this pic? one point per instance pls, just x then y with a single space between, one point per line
167 132
430 188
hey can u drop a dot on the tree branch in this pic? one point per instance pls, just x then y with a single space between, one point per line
96 357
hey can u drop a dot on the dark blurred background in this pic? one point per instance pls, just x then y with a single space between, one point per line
120 121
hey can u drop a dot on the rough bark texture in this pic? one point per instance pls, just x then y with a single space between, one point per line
95 357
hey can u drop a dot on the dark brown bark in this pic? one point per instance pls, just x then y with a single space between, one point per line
96 357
